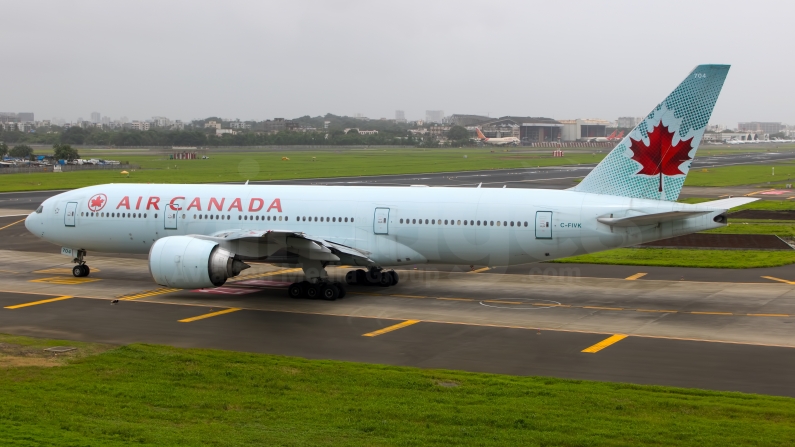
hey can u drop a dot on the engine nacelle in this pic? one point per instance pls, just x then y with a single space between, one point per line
189 263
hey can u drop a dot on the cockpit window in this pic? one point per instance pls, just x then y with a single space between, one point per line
39 209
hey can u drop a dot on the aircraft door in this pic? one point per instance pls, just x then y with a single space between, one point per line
543 224
171 214
381 221
70 214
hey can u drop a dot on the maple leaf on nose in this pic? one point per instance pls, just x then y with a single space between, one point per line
661 156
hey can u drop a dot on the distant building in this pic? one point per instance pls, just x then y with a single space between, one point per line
362 132
219 132
26 117
583 129
434 116
96 117
528 129
239 125
106 120
212 124
628 122
140 125
273 126
761 127
438 131
400 116
161 121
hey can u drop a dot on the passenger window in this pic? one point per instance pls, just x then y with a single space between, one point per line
471 222
351 219
433 221
333 219
346 219
414 221
525 224
491 223
498 223
280 218
465 222
445 221
511 223
459 222
286 218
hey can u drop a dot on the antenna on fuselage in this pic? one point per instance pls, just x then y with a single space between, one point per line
504 186
246 182
479 184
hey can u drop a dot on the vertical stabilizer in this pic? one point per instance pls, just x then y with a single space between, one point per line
480 134
652 161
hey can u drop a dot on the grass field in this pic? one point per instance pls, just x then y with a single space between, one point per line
239 167
744 175
670 257
155 395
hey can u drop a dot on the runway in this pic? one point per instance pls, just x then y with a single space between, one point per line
705 328
716 335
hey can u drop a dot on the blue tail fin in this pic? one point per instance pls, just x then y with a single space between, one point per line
652 161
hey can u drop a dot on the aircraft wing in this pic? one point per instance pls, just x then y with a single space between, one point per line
262 244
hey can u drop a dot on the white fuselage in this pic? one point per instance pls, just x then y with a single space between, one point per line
458 225
501 141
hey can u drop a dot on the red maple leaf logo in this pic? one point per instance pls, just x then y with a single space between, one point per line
660 157
97 202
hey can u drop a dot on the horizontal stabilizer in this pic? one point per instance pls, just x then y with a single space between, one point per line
725 204
650 219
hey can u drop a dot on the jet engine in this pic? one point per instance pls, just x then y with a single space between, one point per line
187 262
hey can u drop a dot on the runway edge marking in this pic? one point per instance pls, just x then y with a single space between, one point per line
604 343
394 327
35 303
210 315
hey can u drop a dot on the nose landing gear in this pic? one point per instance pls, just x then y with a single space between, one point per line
81 269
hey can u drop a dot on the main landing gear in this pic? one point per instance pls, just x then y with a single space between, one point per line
372 277
317 284
81 269
329 291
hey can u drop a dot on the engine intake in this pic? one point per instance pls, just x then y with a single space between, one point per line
186 262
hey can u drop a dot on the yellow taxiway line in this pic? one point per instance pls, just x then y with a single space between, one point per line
604 343
35 303
147 294
11 224
479 270
210 315
773 278
394 327
635 276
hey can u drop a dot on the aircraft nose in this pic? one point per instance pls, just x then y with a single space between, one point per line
30 221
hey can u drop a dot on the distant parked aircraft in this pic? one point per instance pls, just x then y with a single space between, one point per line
497 141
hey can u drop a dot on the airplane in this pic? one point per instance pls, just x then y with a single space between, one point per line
199 236
497 141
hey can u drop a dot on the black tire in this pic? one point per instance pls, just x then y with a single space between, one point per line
361 277
341 289
395 277
77 271
373 277
295 290
313 292
329 292
86 270
350 277
385 280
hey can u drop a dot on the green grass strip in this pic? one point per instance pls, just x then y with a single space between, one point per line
670 257
155 395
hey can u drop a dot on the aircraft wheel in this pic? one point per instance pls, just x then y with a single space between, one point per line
395 277
295 290
77 271
350 277
312 291
361 277
373 277
341 288
329 292
86 270
385 280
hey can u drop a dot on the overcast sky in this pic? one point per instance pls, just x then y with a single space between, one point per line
261 59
